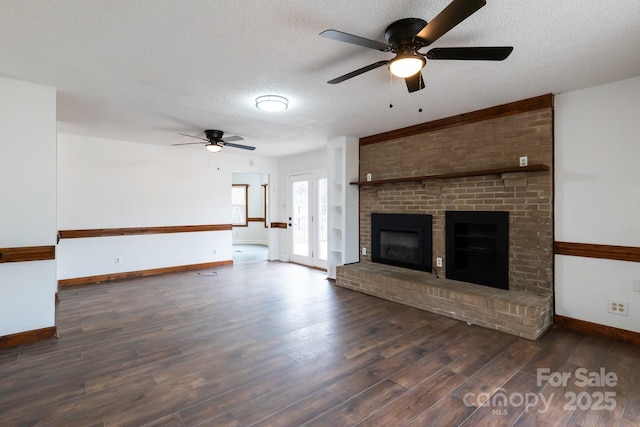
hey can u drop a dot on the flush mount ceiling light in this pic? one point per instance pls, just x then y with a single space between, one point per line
213 147
272 103
406 65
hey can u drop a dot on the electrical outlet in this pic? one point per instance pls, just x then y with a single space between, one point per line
438 262
117 260
524 161
368 177
213 252
636 285
619 307
364 250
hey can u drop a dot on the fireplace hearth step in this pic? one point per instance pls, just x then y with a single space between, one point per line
515 312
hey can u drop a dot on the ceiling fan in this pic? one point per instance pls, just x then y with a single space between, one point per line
407 36
214 141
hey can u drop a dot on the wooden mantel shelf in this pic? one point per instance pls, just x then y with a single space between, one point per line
497 171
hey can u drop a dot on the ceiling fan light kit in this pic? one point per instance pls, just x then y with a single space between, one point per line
406 65
213 147
406 37
272 103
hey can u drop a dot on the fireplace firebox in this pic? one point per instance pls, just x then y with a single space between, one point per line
477 247
403 240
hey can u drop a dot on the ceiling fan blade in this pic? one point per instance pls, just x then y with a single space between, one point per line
188 143
357 72
244 147
497 53
415 82
357 40
232 138
196 137
452 15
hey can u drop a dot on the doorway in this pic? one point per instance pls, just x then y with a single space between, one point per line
308 219
249 216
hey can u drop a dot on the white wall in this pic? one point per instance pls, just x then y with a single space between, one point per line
301 163
597 201
255 232
109 184
28 203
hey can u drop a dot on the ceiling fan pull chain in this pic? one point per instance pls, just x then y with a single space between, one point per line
390 91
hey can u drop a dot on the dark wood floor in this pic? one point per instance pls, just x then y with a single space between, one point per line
276 344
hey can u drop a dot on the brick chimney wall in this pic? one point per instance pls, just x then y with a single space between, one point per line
488 144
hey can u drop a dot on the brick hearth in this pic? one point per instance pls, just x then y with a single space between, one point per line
516 312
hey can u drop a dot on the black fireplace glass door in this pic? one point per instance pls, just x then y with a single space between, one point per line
400 245
403 240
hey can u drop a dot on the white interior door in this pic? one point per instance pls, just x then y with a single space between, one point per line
308 219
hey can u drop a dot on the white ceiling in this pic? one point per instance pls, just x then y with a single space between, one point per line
147 70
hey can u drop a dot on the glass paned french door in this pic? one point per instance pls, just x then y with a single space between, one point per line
308 219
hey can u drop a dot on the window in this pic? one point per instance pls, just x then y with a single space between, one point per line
239 205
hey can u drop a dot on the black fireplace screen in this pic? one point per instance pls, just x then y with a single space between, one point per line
478 247
403 240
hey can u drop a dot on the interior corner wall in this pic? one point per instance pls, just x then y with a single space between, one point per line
105 183
28 197
597 199
297 164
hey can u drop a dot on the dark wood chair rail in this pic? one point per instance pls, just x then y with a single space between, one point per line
106 232
589 250
27 253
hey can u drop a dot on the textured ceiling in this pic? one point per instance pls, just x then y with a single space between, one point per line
147 70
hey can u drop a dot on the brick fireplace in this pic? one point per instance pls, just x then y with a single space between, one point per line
466 163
